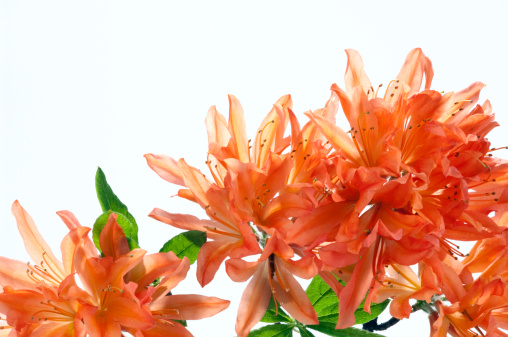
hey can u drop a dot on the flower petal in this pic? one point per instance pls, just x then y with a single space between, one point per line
166 167
237 130
190 306
254 302
35 245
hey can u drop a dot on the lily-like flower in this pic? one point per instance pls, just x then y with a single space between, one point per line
171 270
34 297
272 275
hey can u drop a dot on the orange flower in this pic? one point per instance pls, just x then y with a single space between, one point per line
170 270
272 275
34 297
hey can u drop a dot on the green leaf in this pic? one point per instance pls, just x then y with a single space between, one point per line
304 332
375 310
323 299
273 330
329 329
271 315
182 322
186 244
110 202
122 221
326 303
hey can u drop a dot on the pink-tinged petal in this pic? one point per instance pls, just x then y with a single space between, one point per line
70 242
164 328
413 69
188 306
339 139
217 128
295 300
182 221
35 245
13 273
237 129
112 239
154 266
355 72
166 167
210 257
170 281
254 302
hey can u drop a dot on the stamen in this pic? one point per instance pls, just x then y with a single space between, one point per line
215 230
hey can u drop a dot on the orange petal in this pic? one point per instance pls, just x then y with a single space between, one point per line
339 139
210 258
166 167
69 219
355 72
354 292
254 302
237 129
217 128
164 328
190 306
112 239
295 300
69 244
14 274
182 221
170 281
413 69
35 245
154 266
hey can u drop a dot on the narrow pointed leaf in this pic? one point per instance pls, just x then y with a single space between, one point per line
329 329
110 202
274 330
271 316
186 244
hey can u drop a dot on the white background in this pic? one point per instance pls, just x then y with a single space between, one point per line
87 84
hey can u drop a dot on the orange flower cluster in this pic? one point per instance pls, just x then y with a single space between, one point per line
412 174
44 299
